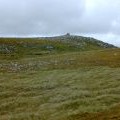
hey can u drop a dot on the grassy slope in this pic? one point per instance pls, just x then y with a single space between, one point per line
31 46
64 86
72 60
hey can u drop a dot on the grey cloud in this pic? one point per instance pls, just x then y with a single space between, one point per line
38 17
101 17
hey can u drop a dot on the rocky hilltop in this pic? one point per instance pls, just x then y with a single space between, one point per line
79 41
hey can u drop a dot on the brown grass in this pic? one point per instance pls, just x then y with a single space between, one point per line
111 114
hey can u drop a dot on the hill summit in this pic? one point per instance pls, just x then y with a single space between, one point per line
80 41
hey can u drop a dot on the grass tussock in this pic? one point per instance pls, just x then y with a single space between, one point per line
58 94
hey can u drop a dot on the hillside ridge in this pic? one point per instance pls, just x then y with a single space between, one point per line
79 39
46 45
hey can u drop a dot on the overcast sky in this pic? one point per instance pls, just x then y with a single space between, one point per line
96 18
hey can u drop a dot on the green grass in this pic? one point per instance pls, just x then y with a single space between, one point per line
58 94
71 60
36 84
17 48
